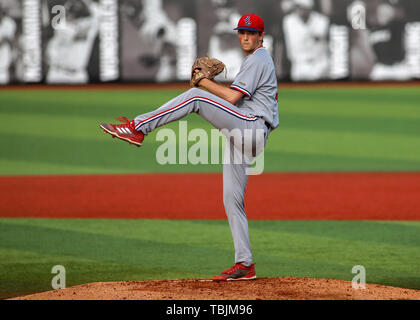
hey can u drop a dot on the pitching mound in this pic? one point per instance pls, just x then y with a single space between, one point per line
288 288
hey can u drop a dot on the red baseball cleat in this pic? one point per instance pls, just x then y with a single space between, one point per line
124 131
237 272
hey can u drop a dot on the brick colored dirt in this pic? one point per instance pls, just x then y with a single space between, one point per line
340 196
288 288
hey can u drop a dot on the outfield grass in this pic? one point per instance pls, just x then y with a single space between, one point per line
114 250
57 132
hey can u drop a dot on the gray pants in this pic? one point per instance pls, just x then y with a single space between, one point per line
222 115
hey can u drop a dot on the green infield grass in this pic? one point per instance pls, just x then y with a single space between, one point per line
94 250
57 132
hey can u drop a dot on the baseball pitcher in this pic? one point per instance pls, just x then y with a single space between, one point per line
250 103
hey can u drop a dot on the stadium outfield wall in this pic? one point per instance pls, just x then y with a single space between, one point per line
157 41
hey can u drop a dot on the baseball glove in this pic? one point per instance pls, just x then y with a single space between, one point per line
206 68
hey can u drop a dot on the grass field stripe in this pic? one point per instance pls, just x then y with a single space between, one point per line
105 249
374 129
193 99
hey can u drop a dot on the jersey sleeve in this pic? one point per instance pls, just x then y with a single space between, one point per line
246 80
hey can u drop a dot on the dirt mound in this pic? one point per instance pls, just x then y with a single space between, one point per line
288 288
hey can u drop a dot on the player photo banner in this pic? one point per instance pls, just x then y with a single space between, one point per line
339 52
158 40
109 40
31 41
186 49
374 40
91 41
71 43
412 46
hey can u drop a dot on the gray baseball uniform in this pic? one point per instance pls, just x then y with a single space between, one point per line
257 110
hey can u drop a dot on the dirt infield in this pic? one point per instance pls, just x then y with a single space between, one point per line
271 196
288 288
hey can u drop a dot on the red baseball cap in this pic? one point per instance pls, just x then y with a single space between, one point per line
250 22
